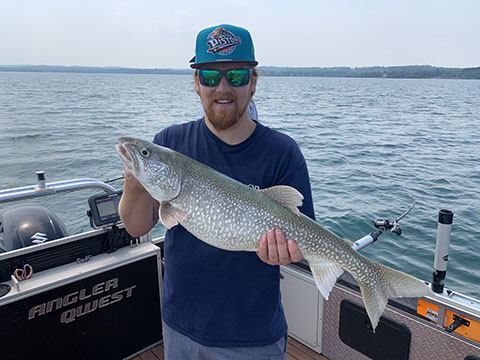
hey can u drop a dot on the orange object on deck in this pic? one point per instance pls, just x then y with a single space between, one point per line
472 331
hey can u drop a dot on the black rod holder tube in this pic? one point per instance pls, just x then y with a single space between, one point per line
445 220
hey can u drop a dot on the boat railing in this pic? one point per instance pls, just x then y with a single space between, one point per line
44 189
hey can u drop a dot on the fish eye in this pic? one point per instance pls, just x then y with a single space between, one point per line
144 152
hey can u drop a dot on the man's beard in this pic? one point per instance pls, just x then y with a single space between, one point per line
222 119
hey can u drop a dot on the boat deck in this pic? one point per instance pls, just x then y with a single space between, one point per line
295 351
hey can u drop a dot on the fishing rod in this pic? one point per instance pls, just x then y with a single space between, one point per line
382 225
116 179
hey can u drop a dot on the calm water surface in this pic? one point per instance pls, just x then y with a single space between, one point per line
373 146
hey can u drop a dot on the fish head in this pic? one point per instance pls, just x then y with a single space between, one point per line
152 165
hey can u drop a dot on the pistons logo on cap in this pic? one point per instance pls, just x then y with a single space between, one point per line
222 41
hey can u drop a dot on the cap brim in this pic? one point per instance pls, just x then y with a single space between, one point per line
195 66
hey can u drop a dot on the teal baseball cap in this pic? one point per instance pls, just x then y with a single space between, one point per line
223 43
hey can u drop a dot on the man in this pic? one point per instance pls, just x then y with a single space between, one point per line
219 304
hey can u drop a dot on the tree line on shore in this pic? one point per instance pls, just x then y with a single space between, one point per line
404 72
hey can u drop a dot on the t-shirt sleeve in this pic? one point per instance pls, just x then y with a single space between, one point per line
159 139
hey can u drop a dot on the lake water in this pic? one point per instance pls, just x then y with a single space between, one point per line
373 146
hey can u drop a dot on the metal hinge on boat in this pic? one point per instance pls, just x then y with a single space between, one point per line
457 322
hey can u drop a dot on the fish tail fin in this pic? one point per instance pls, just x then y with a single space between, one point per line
384 283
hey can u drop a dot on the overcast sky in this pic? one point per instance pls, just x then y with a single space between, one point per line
161 34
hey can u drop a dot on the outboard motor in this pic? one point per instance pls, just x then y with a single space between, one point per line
25 225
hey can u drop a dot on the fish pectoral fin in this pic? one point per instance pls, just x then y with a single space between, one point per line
325 274
348 242
170 215
286 196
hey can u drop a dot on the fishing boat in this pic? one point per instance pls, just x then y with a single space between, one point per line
97 294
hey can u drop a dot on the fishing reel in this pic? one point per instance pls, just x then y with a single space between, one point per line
393 226
382 225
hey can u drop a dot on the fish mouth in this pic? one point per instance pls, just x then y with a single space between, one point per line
126 154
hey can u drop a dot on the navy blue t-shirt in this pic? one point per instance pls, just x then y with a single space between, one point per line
229 298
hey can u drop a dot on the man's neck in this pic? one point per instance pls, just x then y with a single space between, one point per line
235 134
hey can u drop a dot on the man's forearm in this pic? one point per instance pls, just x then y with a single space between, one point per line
138 211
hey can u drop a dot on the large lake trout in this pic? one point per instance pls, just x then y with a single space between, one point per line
232 216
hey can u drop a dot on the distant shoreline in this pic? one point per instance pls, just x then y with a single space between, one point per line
398 72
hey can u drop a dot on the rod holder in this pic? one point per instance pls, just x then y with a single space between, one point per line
41 179
445 220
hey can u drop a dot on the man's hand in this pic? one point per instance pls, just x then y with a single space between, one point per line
132 183
276 250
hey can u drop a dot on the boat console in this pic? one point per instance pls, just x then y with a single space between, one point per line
85 296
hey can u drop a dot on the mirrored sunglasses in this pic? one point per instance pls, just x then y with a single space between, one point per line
234 77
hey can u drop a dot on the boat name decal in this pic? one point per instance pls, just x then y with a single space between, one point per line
109 297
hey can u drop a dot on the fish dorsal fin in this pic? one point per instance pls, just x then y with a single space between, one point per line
325 274
170 215
286 196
